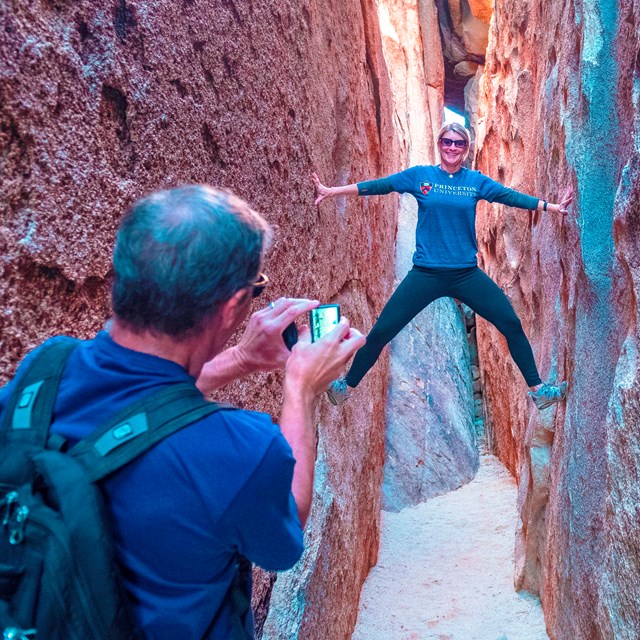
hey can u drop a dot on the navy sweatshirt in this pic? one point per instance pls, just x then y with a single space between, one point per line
446 230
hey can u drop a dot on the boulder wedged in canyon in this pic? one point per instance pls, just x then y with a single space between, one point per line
464 26
558 108
431 445
100 104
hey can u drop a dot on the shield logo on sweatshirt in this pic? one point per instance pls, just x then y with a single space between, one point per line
425 187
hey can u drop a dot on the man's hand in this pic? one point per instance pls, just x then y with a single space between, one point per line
312 366
261 347
309 370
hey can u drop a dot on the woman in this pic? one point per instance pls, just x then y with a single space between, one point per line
445 258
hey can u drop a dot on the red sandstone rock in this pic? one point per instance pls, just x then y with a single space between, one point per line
558 108
431 45
102 103
464 27
465 69
481 9
413 55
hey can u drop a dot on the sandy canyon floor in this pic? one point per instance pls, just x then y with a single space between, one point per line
445 570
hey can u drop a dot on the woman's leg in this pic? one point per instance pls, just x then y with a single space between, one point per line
486 298
413 294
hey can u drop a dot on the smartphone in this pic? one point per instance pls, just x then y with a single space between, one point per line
323 319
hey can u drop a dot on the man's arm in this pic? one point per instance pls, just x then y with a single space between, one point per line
261 347
309 370
296 423
223 369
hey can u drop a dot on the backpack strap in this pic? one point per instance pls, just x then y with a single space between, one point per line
240 601
30 407
134 431
140 426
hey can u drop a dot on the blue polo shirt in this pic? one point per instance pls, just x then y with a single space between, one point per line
183 510
446 230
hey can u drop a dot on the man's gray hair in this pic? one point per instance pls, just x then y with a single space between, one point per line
180 253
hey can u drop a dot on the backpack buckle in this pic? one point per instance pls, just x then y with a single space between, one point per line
16 532
14 633
15 516
10 502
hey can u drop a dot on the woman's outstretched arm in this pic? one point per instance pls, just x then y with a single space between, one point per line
493 191
560 207
323 192
399 182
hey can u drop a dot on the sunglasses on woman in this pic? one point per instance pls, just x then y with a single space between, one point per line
260 284
448 142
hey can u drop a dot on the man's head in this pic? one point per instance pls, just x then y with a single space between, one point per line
182 253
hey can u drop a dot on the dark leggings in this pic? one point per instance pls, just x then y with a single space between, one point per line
422 286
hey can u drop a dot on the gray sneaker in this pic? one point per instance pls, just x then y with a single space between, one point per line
338 391
549 394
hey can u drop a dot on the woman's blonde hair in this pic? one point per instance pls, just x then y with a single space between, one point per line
459 129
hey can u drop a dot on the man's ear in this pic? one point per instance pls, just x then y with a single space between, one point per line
234 309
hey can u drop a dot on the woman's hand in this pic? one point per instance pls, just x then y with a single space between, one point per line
322 192
565 201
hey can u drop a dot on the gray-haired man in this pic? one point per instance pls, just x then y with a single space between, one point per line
187 264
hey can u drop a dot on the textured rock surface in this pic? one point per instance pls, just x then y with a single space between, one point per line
482 10
533 495
433 59
471 90
413 54
560 105
101 103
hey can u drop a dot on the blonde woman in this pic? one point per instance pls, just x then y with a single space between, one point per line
444 263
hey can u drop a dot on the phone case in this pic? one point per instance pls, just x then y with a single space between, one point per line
290 335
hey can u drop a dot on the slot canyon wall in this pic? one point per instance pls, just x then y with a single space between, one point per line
560 106
101 103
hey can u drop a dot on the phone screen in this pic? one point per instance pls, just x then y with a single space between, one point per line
323 319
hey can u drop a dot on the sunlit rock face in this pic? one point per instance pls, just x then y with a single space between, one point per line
559 107
464 26
412 51
102 103
430 440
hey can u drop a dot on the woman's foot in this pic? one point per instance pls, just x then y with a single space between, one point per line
547 394
338 392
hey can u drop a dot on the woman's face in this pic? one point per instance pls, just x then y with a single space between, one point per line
453 147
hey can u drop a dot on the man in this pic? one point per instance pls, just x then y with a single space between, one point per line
186 267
